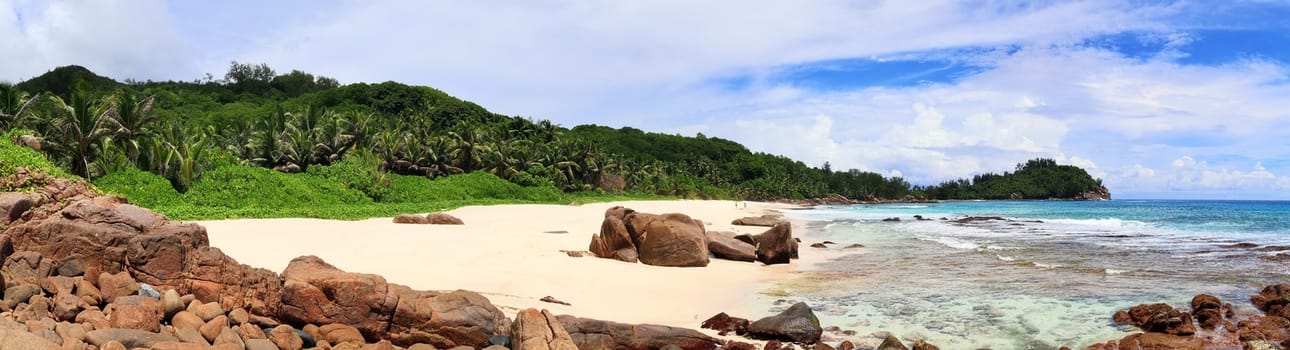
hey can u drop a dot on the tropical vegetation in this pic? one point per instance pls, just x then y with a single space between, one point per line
256 143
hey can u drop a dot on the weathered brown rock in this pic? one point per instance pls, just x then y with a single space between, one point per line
443 219
539 330
1160 341
26 267
619 212
13 205
776 245
212 328
117 285
185 319
189 335
337 333
207 311
768 220
1265 327
20 340
797 324
136 312
1161 318
891 343
410 219
725 324
260 344
171 303
175 345
613 241
1272 300
20 294
249 331
316 292
66 306
286 338
589 334
723 245
93 317
228 336
923 345
670 240
131 338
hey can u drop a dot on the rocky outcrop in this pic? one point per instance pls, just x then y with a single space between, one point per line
589 334
776 245
315 292
661 240
111 251
723 245
797 324
767 220
1159 318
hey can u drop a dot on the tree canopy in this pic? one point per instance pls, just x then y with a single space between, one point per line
297 121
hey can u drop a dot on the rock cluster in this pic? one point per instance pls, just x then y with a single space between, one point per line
679 240
428 219
84 271
1211 324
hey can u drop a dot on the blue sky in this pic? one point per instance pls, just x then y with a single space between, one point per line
1162 99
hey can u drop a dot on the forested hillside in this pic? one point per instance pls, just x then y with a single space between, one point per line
373 137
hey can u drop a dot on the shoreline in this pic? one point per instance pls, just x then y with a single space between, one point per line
512 254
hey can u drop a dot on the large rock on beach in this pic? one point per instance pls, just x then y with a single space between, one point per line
669 240
768 220
443 219
723 245
539 330
410 219
590 334
613 241
776 245
318 293
797 324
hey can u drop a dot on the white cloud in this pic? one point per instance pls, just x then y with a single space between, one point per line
122 39
713 67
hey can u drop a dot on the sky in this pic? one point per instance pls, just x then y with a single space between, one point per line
1160 99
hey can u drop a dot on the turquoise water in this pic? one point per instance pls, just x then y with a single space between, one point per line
1050 274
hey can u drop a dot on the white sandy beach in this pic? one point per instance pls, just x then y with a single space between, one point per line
512 255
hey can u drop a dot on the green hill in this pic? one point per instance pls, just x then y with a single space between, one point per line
374 138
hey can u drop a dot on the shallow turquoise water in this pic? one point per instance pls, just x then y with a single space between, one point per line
1050 275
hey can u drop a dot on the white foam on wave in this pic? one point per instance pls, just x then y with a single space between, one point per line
1005 258
908 207
952 242
1104 222
1113 271
1046 266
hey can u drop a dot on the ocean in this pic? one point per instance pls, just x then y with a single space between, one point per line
1051 273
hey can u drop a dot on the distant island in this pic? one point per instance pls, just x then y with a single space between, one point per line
258 143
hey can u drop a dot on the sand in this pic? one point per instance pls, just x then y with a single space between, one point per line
512 254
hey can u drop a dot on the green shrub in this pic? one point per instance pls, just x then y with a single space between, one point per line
243 187
140 187
13 156
473 186
359 170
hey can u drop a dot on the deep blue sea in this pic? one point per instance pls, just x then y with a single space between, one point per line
1050 274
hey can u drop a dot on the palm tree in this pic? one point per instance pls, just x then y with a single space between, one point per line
131 121
189 153
14 103
468 151
81 126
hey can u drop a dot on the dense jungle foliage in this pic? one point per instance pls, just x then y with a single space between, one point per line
389 142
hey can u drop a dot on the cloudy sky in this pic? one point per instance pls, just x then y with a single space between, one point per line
1162 99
